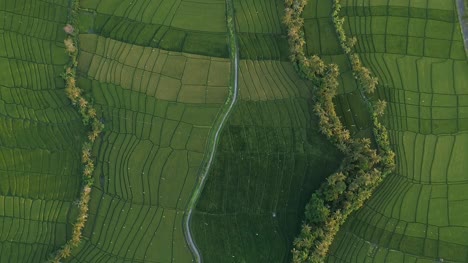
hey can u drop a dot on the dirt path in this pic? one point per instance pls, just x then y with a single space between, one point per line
463 18
220 122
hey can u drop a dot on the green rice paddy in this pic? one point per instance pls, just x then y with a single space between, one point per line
270 159
160 73
416 50
41 134
159 107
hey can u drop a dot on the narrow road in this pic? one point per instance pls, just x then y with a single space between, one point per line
220 122
463 18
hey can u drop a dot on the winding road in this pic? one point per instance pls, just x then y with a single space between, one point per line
462 17
230 102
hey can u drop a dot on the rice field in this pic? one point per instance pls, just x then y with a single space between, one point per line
417 215
184 26
41 134
159 74
159 107
271 156
270 159
260 32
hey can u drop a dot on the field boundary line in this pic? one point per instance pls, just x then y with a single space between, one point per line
215 134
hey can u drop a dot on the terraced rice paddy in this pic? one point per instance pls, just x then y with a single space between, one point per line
417 215
267 163
160 74
159 115
185 26
266 168
41 133
159 107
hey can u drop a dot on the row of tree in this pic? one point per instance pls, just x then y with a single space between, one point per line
362 168
90 119
368 84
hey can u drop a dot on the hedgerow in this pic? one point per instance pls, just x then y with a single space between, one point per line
363 168
89 117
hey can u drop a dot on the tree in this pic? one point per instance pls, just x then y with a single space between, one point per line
335 186
379 107
69 45
316 211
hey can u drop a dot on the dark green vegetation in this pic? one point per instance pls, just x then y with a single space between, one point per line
270 158
363 167
41 134
416 50
321 39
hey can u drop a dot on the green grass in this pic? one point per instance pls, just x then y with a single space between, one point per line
40 133
417 52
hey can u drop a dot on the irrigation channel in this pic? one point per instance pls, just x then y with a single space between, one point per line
214 136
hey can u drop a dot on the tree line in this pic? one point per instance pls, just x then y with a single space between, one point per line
90 119
363 167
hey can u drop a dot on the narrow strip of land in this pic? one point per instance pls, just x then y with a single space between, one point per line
220 122
463 18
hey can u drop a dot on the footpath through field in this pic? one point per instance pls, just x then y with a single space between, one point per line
230 102
463 17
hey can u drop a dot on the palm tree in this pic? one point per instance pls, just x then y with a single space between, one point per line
69 45
380 107
83 103
85 155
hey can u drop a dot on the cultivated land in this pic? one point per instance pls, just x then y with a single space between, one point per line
417 215
159 107
41 133
187 26
270 157
160 74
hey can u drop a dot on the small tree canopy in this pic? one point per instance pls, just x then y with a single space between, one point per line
316 211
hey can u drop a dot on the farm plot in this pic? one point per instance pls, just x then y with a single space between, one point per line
158 107
40 133
269 160
321 40
416 50
197 27
261 34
